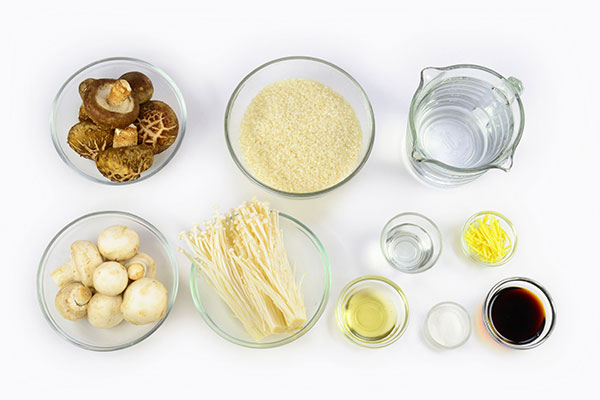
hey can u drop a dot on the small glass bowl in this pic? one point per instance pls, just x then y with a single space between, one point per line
88 227
443 311
391 291
411 242
542 295
505 224
65 111
298 67
312 269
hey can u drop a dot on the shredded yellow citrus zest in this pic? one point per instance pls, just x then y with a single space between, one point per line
487 240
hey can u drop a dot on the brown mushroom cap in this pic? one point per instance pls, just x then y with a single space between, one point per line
83 87
157 125
106 113
124 164
83 116
89 139
141 86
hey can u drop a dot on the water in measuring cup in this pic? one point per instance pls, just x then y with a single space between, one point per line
408 246
463 122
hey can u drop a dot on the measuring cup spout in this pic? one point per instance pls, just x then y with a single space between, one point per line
430 73
505 165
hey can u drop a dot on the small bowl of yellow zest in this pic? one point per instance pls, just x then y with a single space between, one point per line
489 238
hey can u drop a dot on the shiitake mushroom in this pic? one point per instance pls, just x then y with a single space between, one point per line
83 87
124 164
89 139
110 106
157 125
141 86
110 103
83 116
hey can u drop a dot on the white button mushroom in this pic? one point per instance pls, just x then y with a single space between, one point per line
118 243
140 266
105 311
72 300
85 257
144 301
110 278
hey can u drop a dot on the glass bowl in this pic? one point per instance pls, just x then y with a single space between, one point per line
545 300
88 227
65 111
381 286
448 313
411 242
298 67
306 255
505 224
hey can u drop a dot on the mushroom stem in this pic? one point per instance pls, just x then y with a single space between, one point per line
79 297
136 271
139 266
125 137
64 274
72 301
119 92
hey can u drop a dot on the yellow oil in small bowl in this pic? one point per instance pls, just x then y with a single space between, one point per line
370 314
372 311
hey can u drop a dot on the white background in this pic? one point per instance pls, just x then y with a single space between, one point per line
551 194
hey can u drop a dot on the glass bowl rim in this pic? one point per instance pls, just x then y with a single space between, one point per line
468 251
462 310
488 323
510 151
382 342
113 213
307 327
159 71
239 163
436 230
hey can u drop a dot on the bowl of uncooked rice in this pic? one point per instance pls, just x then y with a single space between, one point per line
299 126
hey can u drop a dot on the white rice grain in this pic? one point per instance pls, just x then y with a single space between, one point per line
300 136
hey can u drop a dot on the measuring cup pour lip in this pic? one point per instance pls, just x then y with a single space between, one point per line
504 161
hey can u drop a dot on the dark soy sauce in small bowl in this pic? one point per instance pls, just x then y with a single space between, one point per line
517 315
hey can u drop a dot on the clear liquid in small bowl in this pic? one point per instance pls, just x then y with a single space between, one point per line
408 247
463 122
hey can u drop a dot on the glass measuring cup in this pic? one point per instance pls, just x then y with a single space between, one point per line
463 120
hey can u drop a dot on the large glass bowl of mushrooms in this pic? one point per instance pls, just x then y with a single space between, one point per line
107 281
118 120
